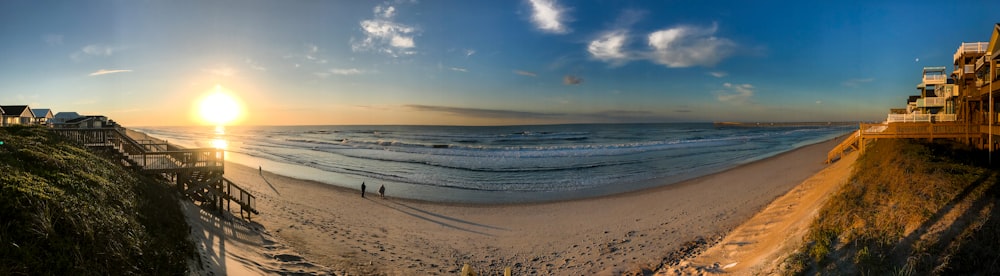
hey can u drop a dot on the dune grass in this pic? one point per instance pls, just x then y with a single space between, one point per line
910 208
67 211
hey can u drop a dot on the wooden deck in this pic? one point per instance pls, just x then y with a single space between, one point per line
920 130
910 130
197 173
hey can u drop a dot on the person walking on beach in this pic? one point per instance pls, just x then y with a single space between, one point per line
362 189
381 191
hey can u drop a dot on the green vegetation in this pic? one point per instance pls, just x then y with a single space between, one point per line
910 208
67 211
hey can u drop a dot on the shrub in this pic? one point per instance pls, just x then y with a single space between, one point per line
67 211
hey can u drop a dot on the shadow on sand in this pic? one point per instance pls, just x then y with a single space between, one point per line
212 231
269 183
402 208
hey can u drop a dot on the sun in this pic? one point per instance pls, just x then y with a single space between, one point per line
219 108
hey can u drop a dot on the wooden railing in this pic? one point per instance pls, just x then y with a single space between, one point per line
156 156
910 118
851 142
919 130
970 47
147 156
984 129
935 79
181 159
246 200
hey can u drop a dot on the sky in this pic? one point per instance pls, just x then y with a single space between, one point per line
148 63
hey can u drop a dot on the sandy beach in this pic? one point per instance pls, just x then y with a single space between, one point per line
336 230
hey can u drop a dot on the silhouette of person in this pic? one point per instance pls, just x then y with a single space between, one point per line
362 189
381 191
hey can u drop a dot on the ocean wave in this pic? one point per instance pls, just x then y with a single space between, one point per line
508 159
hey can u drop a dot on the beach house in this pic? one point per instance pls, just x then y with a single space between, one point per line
935 102
42 116
17 115
960 105
964 76
62 117
92 121
986 78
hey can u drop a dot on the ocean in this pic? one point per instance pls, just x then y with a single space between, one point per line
499 164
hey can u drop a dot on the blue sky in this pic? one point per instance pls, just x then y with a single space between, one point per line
480 62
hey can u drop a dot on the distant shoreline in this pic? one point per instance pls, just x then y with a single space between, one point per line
780 124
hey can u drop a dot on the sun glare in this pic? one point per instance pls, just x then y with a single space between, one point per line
219 108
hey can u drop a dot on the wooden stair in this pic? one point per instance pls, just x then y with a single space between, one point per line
197 173
851 142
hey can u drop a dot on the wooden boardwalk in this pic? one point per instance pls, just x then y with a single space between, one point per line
909 130
197 173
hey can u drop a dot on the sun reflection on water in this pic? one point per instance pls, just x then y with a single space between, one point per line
219 141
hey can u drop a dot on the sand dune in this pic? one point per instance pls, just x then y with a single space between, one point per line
336 228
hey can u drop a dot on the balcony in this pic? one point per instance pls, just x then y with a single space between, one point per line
962 70
931 102
913 118
971 48
935 79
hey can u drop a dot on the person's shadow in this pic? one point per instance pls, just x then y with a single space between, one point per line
268 183
400 207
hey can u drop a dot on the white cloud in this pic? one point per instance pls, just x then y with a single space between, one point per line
525 73
93 50
385 12
469 52
347 71
97 50
609 48
687 46
312 48
105 72
548 16
718 74
383 34
735 93
682 46
402 42
459 69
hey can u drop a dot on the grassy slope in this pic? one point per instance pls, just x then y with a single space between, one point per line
67 211
910 208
